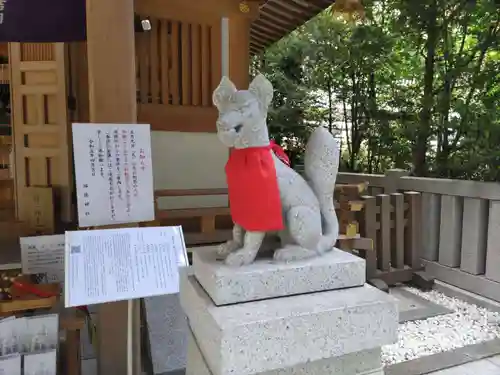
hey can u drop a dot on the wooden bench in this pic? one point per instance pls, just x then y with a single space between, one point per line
207 230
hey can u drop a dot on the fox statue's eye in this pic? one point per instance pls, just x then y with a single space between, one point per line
238 127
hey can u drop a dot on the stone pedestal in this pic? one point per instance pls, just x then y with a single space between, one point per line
313 317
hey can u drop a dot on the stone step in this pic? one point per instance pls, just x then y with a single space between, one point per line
367 362
267 279
255 337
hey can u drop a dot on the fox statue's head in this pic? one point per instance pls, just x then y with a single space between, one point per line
242 113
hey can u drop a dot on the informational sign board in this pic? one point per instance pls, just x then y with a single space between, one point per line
122 264
43 254
114 174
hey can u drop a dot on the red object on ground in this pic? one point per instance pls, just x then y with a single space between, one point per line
280 153
254 198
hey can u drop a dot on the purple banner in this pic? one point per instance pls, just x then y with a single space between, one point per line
40 21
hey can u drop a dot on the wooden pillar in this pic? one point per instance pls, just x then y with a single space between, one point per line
112 99
239 50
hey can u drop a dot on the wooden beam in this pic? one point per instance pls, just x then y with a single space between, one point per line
112 99
206 10
303 4
239 51
178 118
258 36
189 192
268 24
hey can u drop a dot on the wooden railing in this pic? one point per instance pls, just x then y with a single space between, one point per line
459 226
178 67
392 222
390 237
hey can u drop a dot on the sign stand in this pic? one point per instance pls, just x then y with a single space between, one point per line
123 264
130 337
115 159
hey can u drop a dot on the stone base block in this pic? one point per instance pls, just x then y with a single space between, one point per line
267 279
361 363
260 336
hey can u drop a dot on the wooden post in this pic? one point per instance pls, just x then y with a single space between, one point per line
369 230
239 51
112 99
391 179
384 238
397 254
413 235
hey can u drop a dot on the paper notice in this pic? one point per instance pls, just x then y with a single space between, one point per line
43 254
10 365
121 264
114 173
41 363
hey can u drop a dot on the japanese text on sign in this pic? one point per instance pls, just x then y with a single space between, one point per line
113 173
118 264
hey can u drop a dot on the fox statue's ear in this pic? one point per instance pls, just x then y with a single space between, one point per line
223 92
262 89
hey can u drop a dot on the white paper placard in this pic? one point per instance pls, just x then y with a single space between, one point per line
10 331
43 254
114 174
10 365
41 333
44 363
122 264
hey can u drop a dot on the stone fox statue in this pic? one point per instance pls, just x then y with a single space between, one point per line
265 195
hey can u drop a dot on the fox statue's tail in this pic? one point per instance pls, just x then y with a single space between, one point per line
321 164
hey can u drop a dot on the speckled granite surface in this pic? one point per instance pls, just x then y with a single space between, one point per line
361 363
266 278
254 337
167 327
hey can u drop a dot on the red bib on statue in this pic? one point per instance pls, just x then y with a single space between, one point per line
254 197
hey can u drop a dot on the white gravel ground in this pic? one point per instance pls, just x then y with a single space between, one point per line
469 324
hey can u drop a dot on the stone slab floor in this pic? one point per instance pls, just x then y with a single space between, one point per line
490 366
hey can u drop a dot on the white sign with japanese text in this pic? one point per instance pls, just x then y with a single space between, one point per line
114 174
122 264
43 254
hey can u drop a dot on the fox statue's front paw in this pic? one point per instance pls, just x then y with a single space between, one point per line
241 257
227 248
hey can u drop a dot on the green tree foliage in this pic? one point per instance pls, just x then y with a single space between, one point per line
415 85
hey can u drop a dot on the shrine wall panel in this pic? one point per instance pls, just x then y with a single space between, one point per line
40 124
178 67
188 161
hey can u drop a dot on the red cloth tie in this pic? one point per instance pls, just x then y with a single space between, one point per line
280 153
254 198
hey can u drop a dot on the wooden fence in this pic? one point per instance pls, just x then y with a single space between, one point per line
392 222
389 222
459 226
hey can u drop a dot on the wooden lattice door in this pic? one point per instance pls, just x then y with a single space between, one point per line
40 124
